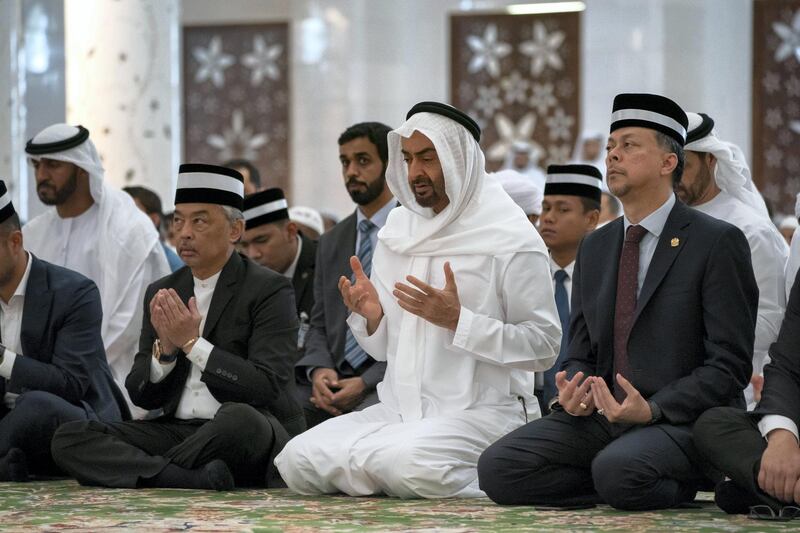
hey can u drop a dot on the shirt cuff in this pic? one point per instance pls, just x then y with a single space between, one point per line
8 363
771 422
158 371
463 328
200 353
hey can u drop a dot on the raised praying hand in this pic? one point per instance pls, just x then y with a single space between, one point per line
174 322
361 297
440 307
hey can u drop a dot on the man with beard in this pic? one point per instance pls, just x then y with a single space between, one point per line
717 182
460 307
335 375
96 230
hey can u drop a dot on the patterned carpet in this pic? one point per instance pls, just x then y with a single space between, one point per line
65 506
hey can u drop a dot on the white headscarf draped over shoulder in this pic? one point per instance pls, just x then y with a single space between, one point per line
731 172
480 219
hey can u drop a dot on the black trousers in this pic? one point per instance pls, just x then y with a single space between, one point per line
732 442
564 460
121 454
30 426
315 415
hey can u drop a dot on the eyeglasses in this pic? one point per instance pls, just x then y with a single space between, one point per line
765 512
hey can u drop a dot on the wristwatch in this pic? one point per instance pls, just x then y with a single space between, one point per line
161 356
655 411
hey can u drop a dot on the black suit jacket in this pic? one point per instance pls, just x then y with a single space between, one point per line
781 394
324 346
62 348
303 279
253 327
691 343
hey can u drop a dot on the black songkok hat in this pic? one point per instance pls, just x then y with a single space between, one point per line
650 111
450 112
265 207
574 180
6 207
701 130
79 138
209 184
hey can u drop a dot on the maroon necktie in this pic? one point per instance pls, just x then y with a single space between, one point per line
627 286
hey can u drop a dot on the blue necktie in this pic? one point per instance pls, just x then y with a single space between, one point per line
562 304
353 353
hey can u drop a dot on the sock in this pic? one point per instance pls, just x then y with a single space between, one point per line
213 476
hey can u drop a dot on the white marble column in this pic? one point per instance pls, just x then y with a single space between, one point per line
10 119
123 85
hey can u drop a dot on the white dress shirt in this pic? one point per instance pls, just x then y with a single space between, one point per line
196 400
293 267
11 327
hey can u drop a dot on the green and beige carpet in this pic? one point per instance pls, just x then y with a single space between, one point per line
66 506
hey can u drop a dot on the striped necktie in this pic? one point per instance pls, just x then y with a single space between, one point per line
353 353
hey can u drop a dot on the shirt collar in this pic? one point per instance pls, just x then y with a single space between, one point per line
654 222
208 283
555 268
23 283
379 218
290 271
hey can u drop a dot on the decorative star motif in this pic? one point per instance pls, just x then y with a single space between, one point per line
560 124
774 156
262 61
516 88
790 38
773 118
238 141
559 154
487 51
542 98
213 62
508 133
543 49
771 82
488 100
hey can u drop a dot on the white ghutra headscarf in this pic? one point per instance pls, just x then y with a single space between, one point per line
731 173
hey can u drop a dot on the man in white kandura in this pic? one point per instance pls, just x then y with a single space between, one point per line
716 180
97 230
459 358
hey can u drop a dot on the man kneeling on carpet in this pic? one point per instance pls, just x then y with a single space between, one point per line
216 350
461 307
53 366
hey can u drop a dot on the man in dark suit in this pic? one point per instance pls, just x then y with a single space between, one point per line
335 375
273 241
662 324
53 367
759 451
215 353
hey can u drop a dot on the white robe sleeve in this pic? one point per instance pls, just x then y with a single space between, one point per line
793 264
530 336
375 344
768 261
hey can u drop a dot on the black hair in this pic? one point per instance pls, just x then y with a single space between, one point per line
148 198
589 204
374 131
669 144
255 175
10 225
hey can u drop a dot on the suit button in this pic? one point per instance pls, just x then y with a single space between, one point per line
219 371
235 377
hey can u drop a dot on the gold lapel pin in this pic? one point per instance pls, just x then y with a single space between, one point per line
675 242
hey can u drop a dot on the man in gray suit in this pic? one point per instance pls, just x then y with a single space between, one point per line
335 375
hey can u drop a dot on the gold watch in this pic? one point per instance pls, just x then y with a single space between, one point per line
161 356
